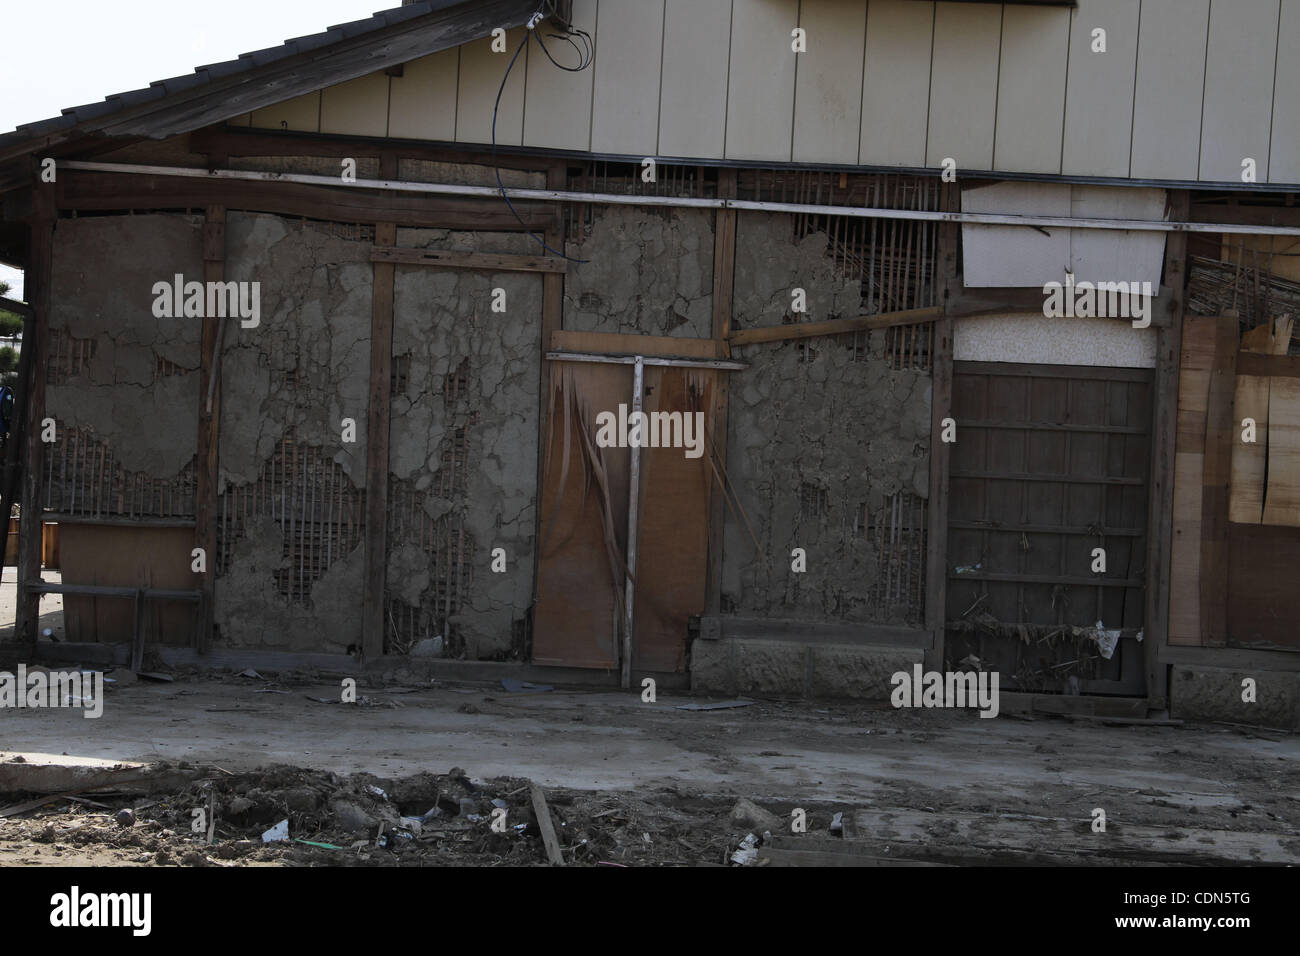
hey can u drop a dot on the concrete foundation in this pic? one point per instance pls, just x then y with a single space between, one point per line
792 668
1213 693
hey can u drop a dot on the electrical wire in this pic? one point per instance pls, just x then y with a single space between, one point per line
586 56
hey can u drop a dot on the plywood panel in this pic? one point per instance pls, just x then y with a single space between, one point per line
760 98
1246 501
356 108
629 45
422 101
827 104
299 115
1031 89
1170 74
693 88
896 83
557 107
481 72
1185 551
1099 89
964 84
1238 108
1284 161
1282 496
1263 601
673 526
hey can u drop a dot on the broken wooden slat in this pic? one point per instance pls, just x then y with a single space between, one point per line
448 259
1282 496
544 824
1275 366
807 330
1246 495
657 346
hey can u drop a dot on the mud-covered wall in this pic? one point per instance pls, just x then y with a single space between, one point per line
121 382
823 434
291 487
649 271
463 457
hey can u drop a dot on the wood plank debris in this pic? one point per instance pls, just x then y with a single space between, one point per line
544 824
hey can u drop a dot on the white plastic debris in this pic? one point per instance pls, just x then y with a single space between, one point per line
1106 640
278 833
377 792
748 852
837 823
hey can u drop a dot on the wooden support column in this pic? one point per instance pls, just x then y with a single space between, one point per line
948 286
381 373
724 275
36 286
205 489
1164 431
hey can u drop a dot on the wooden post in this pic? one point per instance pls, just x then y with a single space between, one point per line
724 275
633 516
36 284
381 373
947 285
1164 432
205 489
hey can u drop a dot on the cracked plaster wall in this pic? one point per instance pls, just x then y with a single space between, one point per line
841 422
103 273
443 318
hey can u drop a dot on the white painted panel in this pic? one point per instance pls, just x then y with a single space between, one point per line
1099 89
1170 75
300 114
1031 89
422 101
896 83
629 46
828 96
481 72
557 107
1284 163
1239 66
1012 256
356 108
1036 340
693 89
964 84
1106 256
760 99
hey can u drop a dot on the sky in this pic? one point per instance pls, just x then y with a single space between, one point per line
72 52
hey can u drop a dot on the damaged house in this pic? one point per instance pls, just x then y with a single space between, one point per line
810 242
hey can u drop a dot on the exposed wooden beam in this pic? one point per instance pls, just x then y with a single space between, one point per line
1216 474
615 343
808 330
91 191
724 277
18 308
483 261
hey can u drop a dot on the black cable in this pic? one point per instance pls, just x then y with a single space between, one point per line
496 107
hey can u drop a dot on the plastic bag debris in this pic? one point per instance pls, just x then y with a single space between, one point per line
748 852
1106 640
278 833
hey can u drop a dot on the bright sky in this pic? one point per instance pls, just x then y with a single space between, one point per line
63 53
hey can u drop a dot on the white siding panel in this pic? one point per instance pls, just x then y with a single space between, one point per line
1099 90
896 83
1011 256
481 71
1284 163
629 47
760 98
1031 89
356 108
1238 88
422 101
300 114
828 94
1170 77
964 84
557 107
693 93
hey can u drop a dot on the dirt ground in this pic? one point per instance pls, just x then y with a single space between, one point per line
628 782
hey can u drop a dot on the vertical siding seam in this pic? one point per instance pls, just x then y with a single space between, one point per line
997 86
1272 101
523 105
862 81
794 100
388 113
663 45
726 100
1205 70
1132 116
455 113
1065 93
591 99
929 92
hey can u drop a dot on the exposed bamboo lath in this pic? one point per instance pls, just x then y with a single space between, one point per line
896 532
82 477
